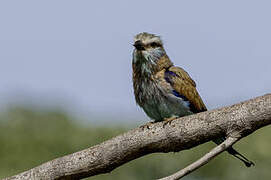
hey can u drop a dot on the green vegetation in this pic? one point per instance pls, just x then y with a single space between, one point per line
30 137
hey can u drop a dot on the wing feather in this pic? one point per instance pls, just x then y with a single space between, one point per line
186 87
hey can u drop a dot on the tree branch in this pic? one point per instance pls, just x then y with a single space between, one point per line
236 121
204 160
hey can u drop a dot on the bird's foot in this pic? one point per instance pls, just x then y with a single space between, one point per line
147 125
169 120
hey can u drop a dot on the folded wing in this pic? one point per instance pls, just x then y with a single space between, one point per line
185 88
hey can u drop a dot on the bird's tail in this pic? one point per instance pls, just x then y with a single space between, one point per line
236 154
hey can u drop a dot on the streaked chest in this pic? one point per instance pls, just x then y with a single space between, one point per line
154 95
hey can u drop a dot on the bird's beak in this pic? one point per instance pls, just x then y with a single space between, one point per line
139 45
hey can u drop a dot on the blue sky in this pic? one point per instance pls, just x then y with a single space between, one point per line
77 54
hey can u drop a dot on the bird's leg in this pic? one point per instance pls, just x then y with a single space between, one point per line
146 125
169 120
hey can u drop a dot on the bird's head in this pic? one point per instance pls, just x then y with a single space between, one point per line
148 48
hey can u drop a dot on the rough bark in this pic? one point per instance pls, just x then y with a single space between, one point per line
236 121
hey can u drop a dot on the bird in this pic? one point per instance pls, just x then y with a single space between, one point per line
164 91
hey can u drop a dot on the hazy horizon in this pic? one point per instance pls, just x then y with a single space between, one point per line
77 54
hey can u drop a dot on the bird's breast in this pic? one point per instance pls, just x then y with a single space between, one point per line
146 91
154 95
149 97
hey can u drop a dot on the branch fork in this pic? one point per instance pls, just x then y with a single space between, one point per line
183 133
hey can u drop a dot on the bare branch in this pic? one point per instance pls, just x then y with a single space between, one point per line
203 160
236 121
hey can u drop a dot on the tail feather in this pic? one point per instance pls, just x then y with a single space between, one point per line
236 154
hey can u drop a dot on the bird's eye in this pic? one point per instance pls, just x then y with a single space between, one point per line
154 44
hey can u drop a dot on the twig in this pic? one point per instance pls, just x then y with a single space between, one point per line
203 160
183 133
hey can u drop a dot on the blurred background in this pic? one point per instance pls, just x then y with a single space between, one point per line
65 77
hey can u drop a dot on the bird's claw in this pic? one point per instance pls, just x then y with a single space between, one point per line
168 120
147 125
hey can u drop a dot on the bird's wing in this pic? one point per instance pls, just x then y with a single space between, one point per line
185 88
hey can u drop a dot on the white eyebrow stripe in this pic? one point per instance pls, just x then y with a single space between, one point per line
154 39
147 38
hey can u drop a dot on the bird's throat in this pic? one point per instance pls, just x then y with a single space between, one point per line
142 66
